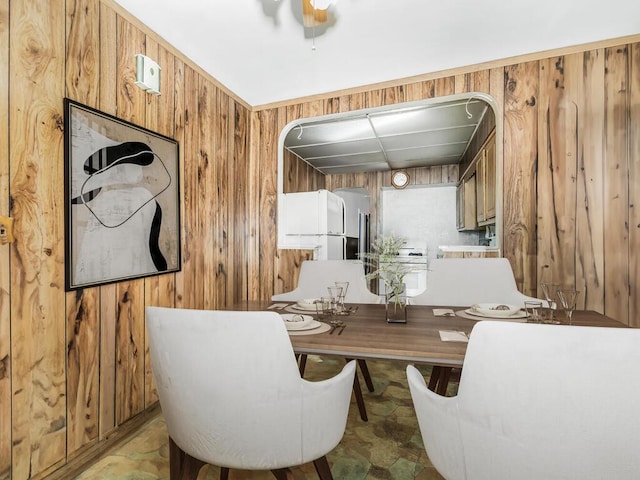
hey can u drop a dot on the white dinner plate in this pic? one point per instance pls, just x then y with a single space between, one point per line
518 314
489 309
307 322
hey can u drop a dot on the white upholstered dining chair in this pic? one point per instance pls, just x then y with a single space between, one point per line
232 396
316 275
537 402
461 282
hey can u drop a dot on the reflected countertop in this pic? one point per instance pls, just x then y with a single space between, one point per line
467 248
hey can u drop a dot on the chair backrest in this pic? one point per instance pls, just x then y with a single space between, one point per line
317 275
460 282
552 402
228 384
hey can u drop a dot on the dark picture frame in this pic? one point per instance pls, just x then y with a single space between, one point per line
122 199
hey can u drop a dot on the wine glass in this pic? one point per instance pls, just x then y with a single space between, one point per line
344 286
334 293
568 299
550 291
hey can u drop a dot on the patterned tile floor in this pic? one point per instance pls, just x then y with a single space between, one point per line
388 446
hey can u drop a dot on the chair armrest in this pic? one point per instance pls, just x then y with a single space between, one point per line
439 426
324 412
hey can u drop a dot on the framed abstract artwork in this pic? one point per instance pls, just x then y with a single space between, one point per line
122 199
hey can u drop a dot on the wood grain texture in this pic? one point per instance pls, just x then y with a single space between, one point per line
179 119
82 306
520 172
108 316
206 200
190 192
616 194
129 390
590 215
634 183
152 292
557 162
223 190
37 256
130 339
83 337
5 278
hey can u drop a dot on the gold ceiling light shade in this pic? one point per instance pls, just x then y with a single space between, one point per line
314 12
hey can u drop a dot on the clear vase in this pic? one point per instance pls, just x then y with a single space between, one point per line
396 306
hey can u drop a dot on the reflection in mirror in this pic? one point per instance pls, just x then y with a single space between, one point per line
452 142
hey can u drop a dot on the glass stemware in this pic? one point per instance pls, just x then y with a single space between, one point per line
334 293
568 299
550 291
341 309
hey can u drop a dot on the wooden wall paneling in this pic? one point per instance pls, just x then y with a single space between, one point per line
356 101
616 195
83 341
165 125
557 157
267 202
190 192
290 161
481 81
5 278
178 119
419 90
152 293
496 90
253 208
634 181
444 86
108 68
151 285
207 199
462 83
130 341
37 256
590 219
129 350
237 288
519 173
221 125
82 306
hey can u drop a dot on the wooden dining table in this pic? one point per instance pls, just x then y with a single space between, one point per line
367 335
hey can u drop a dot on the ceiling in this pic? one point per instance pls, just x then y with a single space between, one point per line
388 138
260 51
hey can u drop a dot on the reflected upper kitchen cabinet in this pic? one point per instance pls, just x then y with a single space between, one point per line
460 131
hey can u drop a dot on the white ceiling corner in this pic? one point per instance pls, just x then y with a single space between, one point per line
265 59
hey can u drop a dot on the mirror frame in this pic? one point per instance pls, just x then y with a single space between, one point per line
491 101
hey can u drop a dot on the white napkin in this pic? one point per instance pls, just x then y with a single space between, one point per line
443 312
453 336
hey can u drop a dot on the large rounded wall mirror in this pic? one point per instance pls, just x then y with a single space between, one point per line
460 131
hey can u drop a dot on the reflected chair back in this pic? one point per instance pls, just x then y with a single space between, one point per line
316 275
460 282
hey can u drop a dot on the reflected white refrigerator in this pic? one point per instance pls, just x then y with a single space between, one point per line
316 220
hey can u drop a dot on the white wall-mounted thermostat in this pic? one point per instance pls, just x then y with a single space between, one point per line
147 74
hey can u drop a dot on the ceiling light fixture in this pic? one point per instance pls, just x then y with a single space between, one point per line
314 13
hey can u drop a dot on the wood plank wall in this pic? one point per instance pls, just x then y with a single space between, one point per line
569 172
74 367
